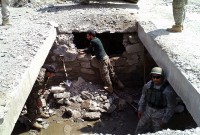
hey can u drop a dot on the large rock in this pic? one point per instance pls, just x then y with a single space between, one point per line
72 113
87 71
57 89
91 116
134 48
69 54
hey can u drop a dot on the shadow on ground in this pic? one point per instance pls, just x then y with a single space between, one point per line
89 6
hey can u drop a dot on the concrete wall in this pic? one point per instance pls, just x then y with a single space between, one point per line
17 97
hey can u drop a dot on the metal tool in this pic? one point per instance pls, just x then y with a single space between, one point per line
67 82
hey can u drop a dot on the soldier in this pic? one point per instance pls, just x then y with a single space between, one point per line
106 69
5 12
46 72
157 103
179 15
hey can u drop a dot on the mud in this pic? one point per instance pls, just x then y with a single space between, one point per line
120 122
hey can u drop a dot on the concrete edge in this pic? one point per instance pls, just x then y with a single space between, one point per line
22 90
181 85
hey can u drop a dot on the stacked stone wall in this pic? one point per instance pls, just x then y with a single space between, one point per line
128 65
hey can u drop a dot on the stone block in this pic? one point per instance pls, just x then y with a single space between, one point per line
134 48
91 116
134 59
57 89
79 82
120 62
87 71
85 64
62 95
126 69
84 57
72 64
86 104
68 53
72 113
62 39
94 62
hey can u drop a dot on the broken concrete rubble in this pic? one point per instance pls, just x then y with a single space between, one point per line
82 100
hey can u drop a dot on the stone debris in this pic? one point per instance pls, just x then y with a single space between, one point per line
91 116
57 89
83 100
62 95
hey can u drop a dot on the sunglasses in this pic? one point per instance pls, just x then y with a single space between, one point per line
156 77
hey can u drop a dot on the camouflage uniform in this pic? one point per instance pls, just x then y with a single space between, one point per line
179 11
107 71
5 9
154 116
32 101
179 15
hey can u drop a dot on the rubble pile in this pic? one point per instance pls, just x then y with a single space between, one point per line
84 100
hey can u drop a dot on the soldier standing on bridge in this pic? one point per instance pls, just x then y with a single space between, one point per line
33 109
106 69
157 103
179 15
5 11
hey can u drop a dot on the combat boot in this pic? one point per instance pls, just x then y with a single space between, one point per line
109 88
6 22
175 28
120 84
37 125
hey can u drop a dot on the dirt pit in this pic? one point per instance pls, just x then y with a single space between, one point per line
117 115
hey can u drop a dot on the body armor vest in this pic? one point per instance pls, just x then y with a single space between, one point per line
155 98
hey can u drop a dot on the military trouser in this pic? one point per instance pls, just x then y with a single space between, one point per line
32 105
179 11
107 72
5 9
151 117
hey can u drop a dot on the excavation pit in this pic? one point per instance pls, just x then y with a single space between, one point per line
68 110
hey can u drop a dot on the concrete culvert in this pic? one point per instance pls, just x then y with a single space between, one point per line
84 105
135 39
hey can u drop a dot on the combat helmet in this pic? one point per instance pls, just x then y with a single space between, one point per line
157 70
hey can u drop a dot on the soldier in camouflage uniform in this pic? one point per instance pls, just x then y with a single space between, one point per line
179 15
106 69
5 4
157 103
46 72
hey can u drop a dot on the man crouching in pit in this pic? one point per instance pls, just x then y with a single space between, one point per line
33 109
157 103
